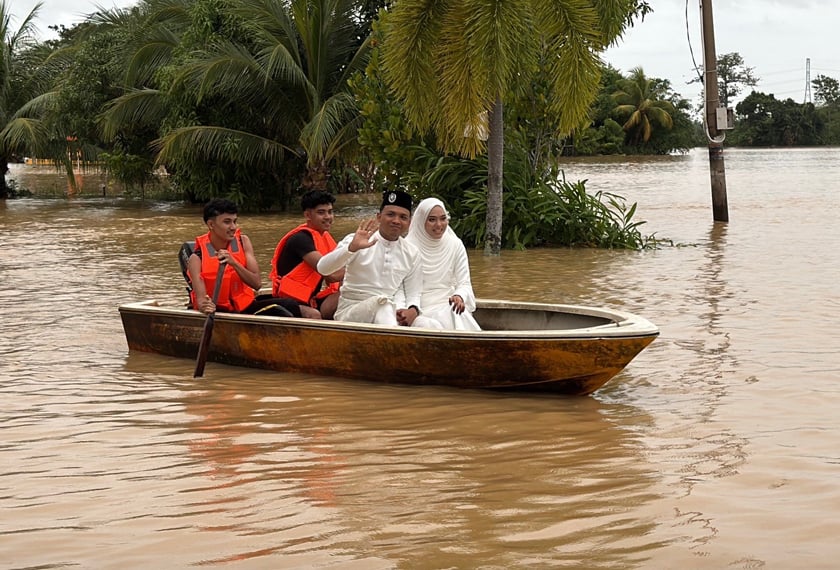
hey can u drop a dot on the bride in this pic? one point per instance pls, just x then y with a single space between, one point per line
447 299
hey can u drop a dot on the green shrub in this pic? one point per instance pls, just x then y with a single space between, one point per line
544 210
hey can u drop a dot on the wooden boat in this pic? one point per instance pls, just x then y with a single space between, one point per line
530 346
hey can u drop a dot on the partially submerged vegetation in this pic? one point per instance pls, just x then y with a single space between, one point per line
256 99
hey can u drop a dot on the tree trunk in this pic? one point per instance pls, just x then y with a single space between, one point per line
316 177
4 168
495 166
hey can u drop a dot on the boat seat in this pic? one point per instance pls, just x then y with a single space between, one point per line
184 254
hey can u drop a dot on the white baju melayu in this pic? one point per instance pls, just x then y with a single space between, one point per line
374 279
446 271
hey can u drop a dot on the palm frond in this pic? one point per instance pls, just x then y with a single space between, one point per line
358 62
24 36
139 107
660 115
330 129
573 39
175 13
411 34
229 69
155 51
612 19
212 144
24 134
464 90
272 24
281 65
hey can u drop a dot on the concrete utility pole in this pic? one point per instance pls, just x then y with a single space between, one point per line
720 208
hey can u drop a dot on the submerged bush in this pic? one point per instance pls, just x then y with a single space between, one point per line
14 190
544 210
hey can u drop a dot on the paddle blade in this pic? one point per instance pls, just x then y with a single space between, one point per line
204 346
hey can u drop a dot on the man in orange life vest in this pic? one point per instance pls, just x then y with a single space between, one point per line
294 271
224 242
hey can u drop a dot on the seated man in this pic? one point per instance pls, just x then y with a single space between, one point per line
225 244
381 269
294 273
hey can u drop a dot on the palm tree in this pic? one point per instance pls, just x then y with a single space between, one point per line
637 100
277 89
17 87
452 62
32 120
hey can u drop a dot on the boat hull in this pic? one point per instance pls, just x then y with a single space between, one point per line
574 360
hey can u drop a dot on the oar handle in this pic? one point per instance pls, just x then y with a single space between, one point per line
219 277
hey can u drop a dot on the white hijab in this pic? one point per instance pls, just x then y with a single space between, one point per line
437 254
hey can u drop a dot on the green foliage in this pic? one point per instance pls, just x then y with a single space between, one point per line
249 98
681 137
539 209
385 135
826 90
130 169
644 103
449 62
608 138
557 213
733 75
88 83
765 121
640 100
19 82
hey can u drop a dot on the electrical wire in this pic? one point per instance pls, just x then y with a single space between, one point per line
703 80
690 49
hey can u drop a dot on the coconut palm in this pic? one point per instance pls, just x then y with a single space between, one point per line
17 87
41 117
452 62
277 89
638 101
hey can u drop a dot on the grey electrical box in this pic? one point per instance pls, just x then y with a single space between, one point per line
725 118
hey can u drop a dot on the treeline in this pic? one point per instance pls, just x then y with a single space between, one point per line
668 120
257 100
763 120
635 114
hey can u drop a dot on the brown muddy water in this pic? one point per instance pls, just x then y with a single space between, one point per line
718 446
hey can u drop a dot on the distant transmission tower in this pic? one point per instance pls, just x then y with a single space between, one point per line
808 80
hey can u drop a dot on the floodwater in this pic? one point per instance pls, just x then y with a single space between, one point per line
717 447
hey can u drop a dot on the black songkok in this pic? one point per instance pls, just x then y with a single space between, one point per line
396 198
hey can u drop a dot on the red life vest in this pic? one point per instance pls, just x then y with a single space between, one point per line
301 283
234 294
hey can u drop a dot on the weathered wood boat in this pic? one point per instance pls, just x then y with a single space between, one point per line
529 346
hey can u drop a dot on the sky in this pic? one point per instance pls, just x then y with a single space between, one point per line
775 37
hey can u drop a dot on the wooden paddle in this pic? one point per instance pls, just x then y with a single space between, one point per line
204 345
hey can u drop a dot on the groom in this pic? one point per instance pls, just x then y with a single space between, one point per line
378 264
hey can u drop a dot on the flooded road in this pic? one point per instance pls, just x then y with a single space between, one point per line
716 448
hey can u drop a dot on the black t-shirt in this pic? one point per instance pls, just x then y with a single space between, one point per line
296 247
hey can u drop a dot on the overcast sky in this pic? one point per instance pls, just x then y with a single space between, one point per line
775 37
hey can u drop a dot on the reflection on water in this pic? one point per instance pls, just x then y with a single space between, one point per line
465 477
691 457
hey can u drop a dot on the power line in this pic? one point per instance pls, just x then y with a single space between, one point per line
765 73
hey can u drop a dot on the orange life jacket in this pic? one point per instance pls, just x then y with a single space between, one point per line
234 294
301 283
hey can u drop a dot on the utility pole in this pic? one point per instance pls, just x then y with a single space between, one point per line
720 208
